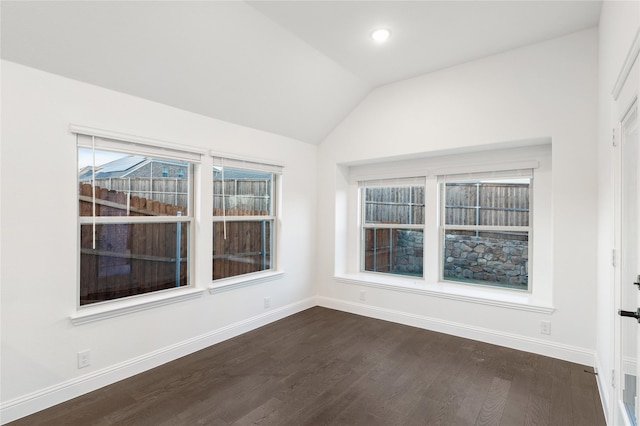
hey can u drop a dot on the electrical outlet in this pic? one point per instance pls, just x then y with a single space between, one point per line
267 302
84 358
545 327
363 295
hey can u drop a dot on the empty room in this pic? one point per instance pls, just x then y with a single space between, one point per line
319 212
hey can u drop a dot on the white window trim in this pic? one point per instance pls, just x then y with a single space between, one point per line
536 155
127 305
363 225
245 280
483 295
220 159
136 143
475 176
246 162
146 146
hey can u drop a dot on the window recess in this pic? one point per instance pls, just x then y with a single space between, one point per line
527 164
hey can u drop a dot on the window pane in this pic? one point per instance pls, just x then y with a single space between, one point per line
246 192
496 258
461 204
131 259
404 205
495 203
246 249
132 185
395 251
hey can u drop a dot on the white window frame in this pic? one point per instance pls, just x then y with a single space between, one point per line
105 140
363 225
531 154
485 176
223 160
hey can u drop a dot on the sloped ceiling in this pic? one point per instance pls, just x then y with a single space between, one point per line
295 68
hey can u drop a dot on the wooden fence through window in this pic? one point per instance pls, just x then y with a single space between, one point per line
243 195
170 191
491 204
247 247
487 204
378 249
129 258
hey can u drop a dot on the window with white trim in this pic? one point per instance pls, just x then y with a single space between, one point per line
135 224
485 227
479 220
392 226
244 217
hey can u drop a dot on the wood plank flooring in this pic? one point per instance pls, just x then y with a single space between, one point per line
326 367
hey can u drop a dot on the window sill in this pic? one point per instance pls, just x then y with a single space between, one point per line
134 304
466 293
227 284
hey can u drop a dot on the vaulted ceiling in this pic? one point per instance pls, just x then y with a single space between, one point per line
295 68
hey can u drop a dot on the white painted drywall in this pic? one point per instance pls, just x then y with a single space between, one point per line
547 90
619 22
39 232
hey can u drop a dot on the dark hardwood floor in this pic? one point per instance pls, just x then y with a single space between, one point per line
326 367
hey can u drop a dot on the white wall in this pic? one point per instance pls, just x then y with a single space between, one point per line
619 22
39 233
547 90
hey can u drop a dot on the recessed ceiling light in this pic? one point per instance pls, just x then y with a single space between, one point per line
380 35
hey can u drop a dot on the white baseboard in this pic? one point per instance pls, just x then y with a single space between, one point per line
28 404
603 389
514 341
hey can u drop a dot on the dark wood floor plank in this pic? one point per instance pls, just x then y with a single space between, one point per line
375 386
474 399
261 414
423 367
582 384
453 393
493 406
539 406
520 389
561 398
326 367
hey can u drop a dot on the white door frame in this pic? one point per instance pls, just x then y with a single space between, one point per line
624 99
